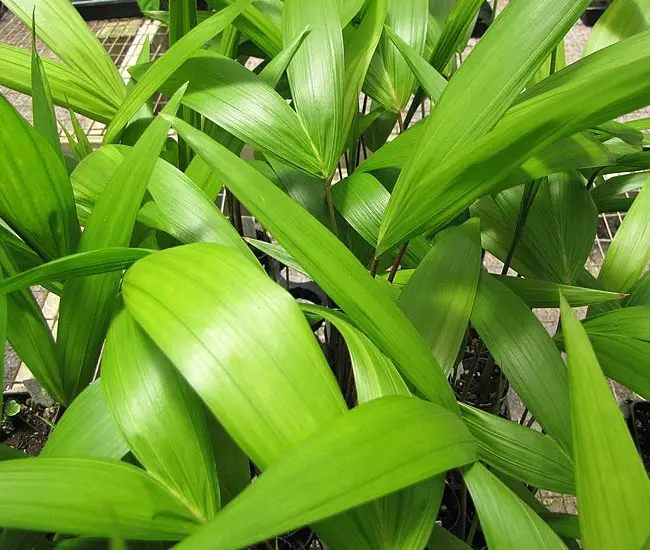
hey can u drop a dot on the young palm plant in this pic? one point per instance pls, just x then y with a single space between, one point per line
216 419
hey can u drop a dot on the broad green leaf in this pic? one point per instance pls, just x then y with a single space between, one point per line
166 65
230 365
339 470
403 518
537 293
520 452
573 152
63 30
360 45
618 185
507 522
87 303
457 24
239 351
66 85
86 429
629 251
622 19
640 292
558 233
318 101
525 352
42 105
272 73
36 196
465 111
241 103
361 199
374 374
390 79
348 9
9 453
182 19
538 120
179 208
29 334
441 538
89 497
439 296
331 265
612 484
75 265
262 29
432 82
160 416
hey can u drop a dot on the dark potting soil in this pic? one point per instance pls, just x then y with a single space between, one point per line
481 393
639 423
28 430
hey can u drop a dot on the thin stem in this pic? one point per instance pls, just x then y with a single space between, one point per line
463 512
494 8
400 122
523 416
373 267
239 225
398 260
553 64
592 179
347 162
330 205
526 203
472 530
340 170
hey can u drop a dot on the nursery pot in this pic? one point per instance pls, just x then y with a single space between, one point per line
485 380
594 11
483 21
638 421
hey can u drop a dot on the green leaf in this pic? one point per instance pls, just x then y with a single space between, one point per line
359 46
66 85
537 293
432 82
558 233
87 303
403 518
390 79
241 103
508 523
42 105
262 29
439 296
86 429
272 73
525 352
640 292
334 479
82 146
89 497
618 185
182 19
29 334
9 453
537 121
179 208
361 199
622 19
63 30
277 252
318 101
36 197
613 487
11 408
331 265
441 538
166 65
629 251
75 265
520 452
374 374
294 372
160 416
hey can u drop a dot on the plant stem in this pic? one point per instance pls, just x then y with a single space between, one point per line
462 526
340 170
526 203
373 267
494 8
400 122
472 530
472 372
330 205
523 416
398 260
592 179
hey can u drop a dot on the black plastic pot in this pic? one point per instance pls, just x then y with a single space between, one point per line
638 421
482 391
483 21
92 10
594 11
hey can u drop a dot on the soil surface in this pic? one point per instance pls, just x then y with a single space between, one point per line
27 430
